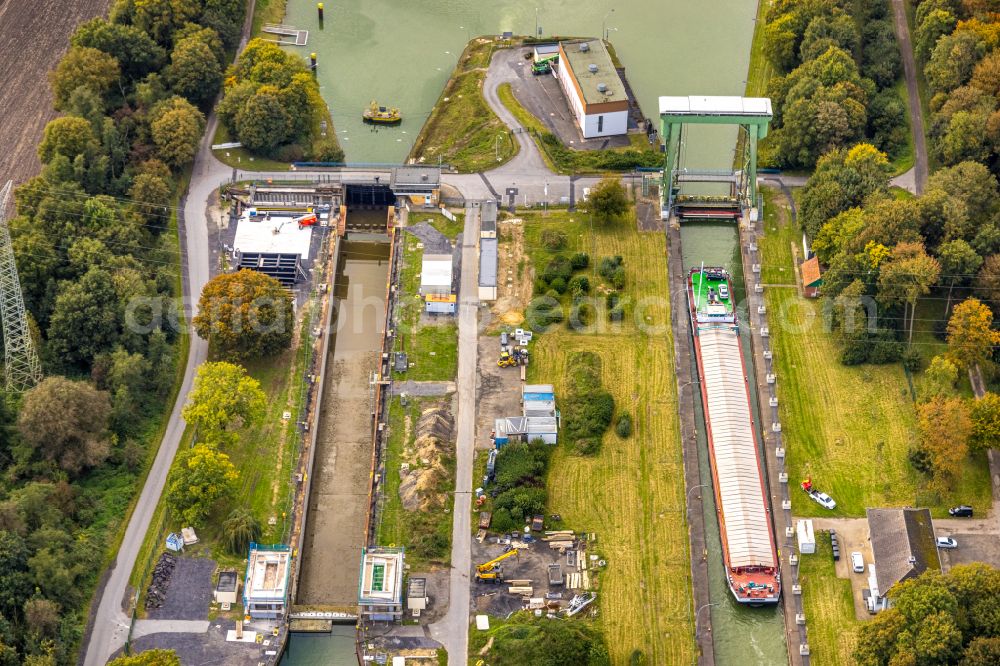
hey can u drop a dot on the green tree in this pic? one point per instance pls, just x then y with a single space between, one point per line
263 123
931 28
201 477
136 52
42 616
15 582
982 651
176 129
779 42
223 398
971 183
245 314
939 380
985 417
843 179
971 337
66 423
149 658
226 18
161 18
906 276
194 71
240 529
953 60
608 201
987 283
68 136
85 320
826 30
83 67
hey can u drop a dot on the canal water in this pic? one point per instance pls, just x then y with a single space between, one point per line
401 53
741 635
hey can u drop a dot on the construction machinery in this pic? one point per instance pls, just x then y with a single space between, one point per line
306 220
506 360
490 571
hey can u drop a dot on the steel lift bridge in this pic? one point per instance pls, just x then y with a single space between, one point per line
753 117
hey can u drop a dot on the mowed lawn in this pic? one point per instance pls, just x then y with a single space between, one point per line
829 607
631 494
850 428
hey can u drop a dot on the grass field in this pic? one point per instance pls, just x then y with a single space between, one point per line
903 162
631 494
829 607
432 348
462 130
850 428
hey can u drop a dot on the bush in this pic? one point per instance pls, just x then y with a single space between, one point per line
579 261
558 267
608 266
612 299
540 287
624 425
553 240
327 150
912 360
579 284
543 312
291 153
616 314
558 285
617 278
502 521
588 408
580 315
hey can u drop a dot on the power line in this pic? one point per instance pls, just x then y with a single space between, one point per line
22 369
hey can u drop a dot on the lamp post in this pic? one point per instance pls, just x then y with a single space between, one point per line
700 485
536 23
604 20
496 144
698 612
608 31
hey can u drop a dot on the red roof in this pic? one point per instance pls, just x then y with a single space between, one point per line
811 276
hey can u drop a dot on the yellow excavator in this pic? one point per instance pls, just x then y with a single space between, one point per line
491 571
506 360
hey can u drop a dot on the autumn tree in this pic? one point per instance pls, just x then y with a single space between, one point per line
66 422
971 337
945 428
83 67
843 179
245 314
149 658
68 136
986 422
201 477
939 379
608 201
223 399
176 129
906 276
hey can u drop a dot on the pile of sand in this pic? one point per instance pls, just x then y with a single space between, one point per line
418 487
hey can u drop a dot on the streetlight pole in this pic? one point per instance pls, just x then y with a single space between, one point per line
536 23
604 21
700 485
698 612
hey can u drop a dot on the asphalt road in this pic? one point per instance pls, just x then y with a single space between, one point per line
452 630
920 169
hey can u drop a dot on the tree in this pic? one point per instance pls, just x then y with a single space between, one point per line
200 478
66 422
264 123
908 275
83 67
194 71
959 263
42 615
945 428
953 60
223 398
240 529
136 52
608 201
934 25
843 179
149 658
971 337
176 129
987 283
939 380
85 320
971 183
15 582
985 417
245 314
68 136
982 651
226 18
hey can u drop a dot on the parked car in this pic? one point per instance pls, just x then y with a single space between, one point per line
723 291
823 500
857 562
946 542
961 511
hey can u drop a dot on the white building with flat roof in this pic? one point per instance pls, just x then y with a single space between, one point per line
436 284
380 589
593 88
265 587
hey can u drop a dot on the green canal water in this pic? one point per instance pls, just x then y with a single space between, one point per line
401 53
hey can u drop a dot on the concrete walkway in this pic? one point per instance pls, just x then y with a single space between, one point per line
918 181
452 631
147 627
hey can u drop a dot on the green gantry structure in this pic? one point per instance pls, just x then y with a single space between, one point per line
751 114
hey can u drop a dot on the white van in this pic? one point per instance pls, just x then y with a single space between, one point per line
857 562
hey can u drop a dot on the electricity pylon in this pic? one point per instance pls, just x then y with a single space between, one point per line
22 369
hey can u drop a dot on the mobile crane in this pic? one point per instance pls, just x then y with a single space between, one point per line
491 571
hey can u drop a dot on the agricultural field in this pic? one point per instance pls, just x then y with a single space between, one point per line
850 428
36 34
630 493
828 605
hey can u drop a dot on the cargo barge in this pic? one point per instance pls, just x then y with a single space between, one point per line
748 545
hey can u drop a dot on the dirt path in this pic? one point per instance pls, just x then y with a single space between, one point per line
913 93
34 37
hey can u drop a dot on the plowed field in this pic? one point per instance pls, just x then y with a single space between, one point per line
33 36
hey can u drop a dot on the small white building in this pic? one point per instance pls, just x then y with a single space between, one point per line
806 537
265 586
593 88
436 284
380 590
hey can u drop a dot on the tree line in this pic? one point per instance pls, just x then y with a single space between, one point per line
99 269
837 62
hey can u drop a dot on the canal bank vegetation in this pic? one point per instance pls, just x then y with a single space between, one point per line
523 639
849 426
836 65
462 131
94 234
562 159
631 491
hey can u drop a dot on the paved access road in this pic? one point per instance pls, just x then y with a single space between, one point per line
452 631
916 179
